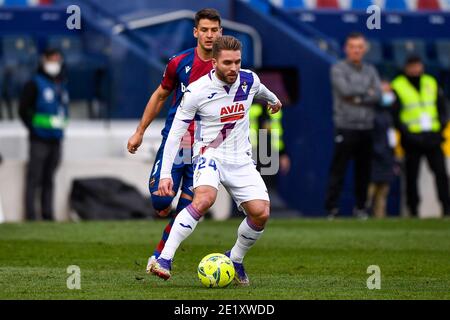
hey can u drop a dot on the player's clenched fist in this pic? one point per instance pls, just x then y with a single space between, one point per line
134 142
165 187
274 108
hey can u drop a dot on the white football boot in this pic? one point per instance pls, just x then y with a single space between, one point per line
150 264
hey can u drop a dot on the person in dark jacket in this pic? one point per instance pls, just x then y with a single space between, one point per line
384 166
43 109
356 92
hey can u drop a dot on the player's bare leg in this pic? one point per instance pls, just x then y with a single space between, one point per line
249 231
183 226
183 202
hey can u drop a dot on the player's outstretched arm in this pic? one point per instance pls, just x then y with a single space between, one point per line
154 106
273 103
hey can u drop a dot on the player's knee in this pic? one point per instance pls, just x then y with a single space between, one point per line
203 202
261 213
265 213
160 202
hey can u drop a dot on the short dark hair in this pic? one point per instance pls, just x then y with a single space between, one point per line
413 59
208 13
354 35
51 52
225 43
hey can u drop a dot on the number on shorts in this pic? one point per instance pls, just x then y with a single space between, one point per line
212 163
202 163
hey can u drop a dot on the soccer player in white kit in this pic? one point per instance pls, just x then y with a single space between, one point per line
220 102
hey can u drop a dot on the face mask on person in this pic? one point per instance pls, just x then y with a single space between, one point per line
388 99
52 68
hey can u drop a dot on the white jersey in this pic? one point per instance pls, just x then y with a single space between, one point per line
221 112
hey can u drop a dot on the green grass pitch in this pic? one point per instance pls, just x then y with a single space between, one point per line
294 259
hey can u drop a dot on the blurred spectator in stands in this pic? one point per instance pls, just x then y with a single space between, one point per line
384 166
44 110
420 114
356 92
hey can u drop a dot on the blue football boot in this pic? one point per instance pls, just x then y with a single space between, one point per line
240 276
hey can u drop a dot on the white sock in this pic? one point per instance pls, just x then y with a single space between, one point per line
183 226
247 237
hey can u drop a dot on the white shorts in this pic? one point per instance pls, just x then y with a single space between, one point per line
242 181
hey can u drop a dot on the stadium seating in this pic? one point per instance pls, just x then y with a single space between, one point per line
375 52
328 45
18 49
16 2
87 73
25 2
428 5
296 4
361 4
443 53
70 46
327 4
403 48
396 5
19 58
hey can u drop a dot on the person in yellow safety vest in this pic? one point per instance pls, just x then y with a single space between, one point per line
420 115
261 119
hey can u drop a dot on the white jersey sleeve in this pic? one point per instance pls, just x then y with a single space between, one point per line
183 117
263 93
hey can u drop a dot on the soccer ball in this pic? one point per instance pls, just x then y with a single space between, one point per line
216 270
